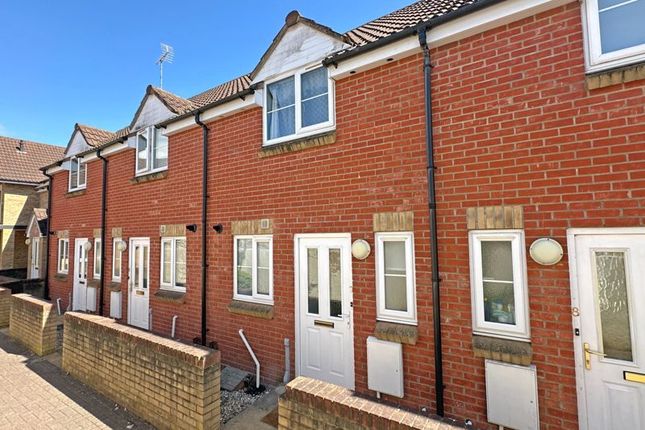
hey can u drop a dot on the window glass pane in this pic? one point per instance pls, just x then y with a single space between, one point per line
335 279
263 268
81 174
621 24
244 269
166 255
180 262
97 257
145 267
66 255
314 89
396 293
497 260
116 270
312 281
396 297
281 123
315 111
74 172
142 151
313 83
611 288
499 302
394 256
160 150
281 112
137 266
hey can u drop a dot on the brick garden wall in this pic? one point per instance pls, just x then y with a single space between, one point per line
170 384
5 306
34 322
309 404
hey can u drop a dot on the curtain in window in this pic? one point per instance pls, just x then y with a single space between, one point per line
281 108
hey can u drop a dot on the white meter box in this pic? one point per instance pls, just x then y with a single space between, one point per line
511 395
385 366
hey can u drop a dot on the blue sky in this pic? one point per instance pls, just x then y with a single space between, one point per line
64 62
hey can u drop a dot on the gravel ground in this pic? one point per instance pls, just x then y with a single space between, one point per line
234 402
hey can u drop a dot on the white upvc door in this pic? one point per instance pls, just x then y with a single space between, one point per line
608 290
139 283
83 298
325 339
35 258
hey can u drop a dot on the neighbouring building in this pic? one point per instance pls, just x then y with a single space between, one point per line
23 197
298 203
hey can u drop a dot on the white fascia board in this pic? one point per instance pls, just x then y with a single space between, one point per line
491 17
55 169
114 148
234 106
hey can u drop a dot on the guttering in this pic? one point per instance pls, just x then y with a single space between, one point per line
204 213
47 233
103 224
407 32
432 206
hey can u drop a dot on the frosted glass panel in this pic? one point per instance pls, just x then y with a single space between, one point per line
395 293
394 257
335 292
263 268
621 24
244 267
613 303
180 263
497 260
166 252
312 281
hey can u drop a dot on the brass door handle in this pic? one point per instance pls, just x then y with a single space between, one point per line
588 353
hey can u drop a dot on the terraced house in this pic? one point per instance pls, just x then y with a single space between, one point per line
443 208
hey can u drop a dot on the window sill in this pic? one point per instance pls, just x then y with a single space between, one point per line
256 310
394 332
75 193
298 144
61 276
506 350
622 75
93 283
148 177
114 287
170 296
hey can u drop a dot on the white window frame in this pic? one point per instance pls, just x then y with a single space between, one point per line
595 59
254 297
79 185
96 270
383 314
151 135
63 251
300 131
115 250
521 329
172 286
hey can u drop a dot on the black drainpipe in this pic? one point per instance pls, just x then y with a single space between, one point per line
432 205
48 234
103 221
204 213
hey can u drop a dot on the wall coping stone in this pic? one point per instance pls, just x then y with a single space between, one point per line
506 350
298 144
257 310
170 296
393 332
71 194
154 176
195 355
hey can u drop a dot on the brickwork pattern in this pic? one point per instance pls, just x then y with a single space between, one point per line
5 307
309 404
33 322
170 384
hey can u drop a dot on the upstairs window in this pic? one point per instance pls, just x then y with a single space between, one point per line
77 174
152 150
498 283
615 33
298 105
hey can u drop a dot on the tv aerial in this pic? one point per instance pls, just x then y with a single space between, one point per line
167 55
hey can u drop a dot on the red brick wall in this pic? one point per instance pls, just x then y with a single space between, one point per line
514 124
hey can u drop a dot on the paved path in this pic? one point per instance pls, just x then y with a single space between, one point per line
35 394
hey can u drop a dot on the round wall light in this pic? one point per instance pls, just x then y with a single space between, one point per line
546 251
361 249
27 241
87 245
121 245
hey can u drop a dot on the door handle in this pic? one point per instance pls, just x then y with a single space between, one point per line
588 353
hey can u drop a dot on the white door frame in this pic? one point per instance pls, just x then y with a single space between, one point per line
296 239
79 244
130 280
34 257
572 233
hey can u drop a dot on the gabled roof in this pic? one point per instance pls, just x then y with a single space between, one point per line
173 102
24 165
222 91
292 19
94 136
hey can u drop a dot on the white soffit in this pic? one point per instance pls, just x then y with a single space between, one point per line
493 16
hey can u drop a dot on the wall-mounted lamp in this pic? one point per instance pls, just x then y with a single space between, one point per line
191 227
87 245
121 245
361 249
27 241
219 228
546 251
